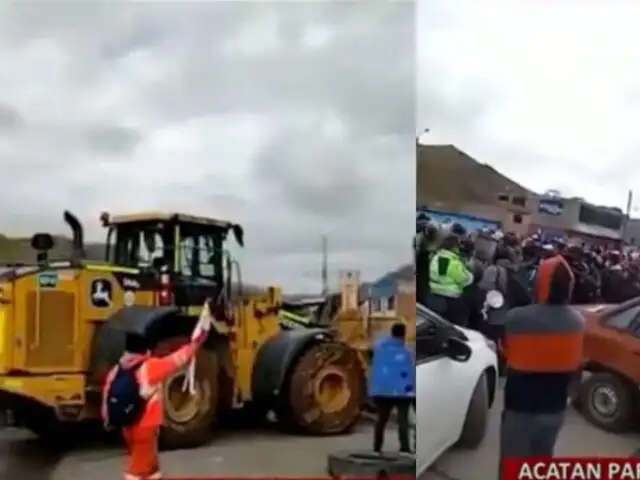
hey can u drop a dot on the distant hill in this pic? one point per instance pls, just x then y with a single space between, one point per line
449 176
18 249
385 285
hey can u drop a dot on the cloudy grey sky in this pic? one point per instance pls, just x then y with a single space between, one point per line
535 87
296 120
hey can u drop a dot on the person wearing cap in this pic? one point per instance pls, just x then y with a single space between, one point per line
543 347
141 438
392 384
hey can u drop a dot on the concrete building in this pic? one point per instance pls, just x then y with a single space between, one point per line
451 183
393 295
550 214
577 218
389 299
505 215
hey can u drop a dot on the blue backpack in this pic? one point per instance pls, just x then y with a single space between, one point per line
124 402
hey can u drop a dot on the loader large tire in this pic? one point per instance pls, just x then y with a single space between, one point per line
325 390
189 418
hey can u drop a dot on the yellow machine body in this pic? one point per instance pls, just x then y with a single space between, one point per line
46 332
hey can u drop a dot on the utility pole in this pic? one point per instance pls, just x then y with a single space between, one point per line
627 216
325 270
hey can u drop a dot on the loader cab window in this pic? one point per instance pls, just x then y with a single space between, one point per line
142 245
200 253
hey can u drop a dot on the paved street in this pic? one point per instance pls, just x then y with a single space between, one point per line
233 453
246 453
577 438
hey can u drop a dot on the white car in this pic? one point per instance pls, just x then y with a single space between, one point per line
457 373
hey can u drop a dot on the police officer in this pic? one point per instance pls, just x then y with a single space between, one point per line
448 277
392 385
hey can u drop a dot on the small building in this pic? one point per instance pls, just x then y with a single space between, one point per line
387 300
578 218
388 294
552 215
509 214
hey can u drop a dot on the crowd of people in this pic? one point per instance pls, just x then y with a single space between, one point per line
540 335
455 268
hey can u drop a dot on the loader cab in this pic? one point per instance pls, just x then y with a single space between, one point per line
186 254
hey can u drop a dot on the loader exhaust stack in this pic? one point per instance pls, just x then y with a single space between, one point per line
77 234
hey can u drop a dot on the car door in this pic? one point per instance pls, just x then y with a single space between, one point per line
438 402
619 340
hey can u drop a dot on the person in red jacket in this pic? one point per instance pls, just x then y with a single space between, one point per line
141 438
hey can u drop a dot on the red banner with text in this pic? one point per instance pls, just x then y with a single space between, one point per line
571 468
221 477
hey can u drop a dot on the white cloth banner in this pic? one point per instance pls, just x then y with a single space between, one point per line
205 322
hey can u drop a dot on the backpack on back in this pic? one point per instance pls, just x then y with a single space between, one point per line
125 404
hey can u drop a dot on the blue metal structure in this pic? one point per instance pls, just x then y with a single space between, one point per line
470 222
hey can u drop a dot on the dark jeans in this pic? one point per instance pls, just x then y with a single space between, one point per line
453 309
528 435
385 406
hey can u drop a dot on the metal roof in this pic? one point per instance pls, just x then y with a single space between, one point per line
596 231
167 216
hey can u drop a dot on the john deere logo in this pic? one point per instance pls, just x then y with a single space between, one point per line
101 293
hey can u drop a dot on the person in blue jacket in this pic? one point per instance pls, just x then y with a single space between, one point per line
392 382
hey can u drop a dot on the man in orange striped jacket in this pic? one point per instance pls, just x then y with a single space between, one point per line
142 438
543 346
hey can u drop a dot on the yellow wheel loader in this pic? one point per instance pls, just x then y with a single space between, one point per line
63 324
